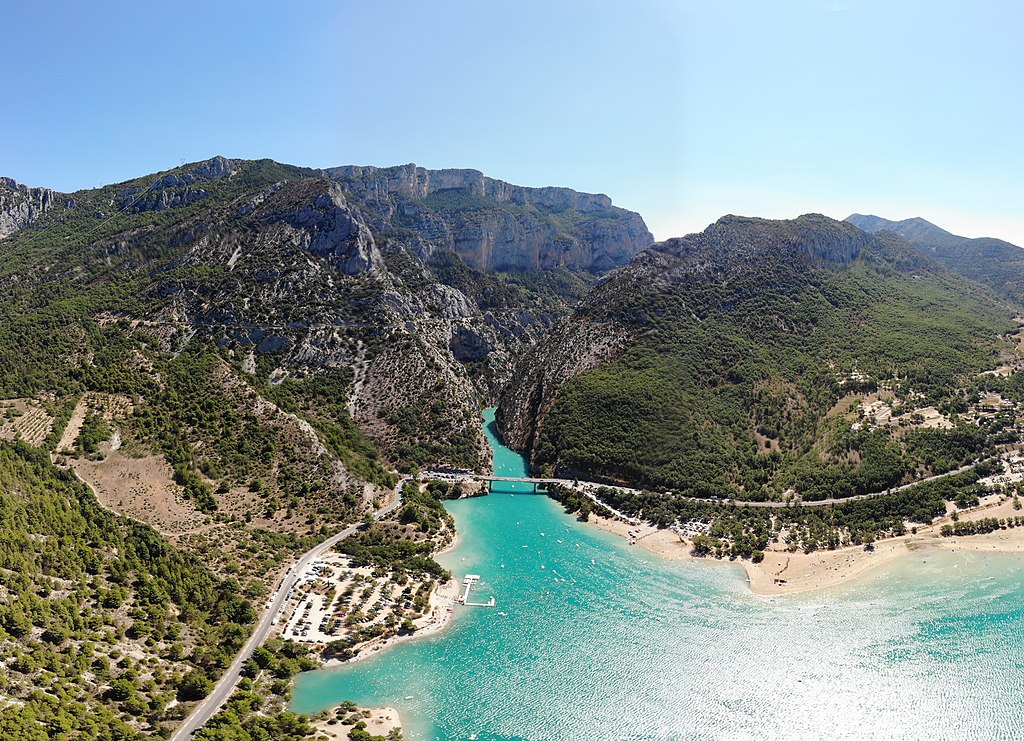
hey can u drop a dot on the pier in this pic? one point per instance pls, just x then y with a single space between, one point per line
468 582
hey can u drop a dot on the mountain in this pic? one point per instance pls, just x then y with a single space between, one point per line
207 370
417 289
265 343
990 261
709 365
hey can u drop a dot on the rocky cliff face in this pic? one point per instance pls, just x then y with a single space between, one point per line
383 277
21 205
327 227
496 226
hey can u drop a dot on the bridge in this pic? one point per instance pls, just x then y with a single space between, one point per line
537 483
587 488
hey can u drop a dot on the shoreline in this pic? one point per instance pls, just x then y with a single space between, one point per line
379 722
383 720
438 617
784 572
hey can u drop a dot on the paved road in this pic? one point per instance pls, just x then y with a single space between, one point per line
223 689
588 486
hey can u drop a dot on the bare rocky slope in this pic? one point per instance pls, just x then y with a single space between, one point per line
420 288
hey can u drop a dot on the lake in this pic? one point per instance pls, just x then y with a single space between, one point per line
594 639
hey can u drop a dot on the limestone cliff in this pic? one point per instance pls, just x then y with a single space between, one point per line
493 225
21 205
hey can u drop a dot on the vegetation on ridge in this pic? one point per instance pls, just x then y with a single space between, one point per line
736 347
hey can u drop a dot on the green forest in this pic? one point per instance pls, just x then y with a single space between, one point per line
102 622
725 380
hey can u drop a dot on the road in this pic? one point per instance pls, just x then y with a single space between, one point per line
223 689
226 685
588 486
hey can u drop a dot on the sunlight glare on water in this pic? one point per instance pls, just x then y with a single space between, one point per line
601 641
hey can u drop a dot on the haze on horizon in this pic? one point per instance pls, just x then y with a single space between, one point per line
683 111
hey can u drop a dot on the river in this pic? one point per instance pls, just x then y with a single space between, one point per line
594 639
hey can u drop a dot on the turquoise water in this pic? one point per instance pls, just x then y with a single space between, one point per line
601 641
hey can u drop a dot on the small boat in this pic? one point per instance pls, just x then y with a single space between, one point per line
503 613
409 697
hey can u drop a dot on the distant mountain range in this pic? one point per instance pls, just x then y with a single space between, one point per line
993 262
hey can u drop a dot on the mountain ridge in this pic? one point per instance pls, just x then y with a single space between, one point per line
994 262
744 332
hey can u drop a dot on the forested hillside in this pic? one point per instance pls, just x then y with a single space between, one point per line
714 365
104 626
990 261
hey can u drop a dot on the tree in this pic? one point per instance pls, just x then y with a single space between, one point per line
119 690
194 686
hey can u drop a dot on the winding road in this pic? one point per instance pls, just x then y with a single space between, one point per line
226 685
587 488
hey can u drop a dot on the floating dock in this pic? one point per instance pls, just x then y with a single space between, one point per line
468 582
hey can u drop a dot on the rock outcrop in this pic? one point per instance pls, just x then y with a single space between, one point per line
21 205
327 227
496 226
175 189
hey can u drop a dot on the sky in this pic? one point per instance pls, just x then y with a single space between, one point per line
683 111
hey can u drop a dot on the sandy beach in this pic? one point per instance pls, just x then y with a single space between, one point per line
379 723
782 572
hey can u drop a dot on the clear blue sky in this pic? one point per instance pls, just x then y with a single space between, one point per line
683 111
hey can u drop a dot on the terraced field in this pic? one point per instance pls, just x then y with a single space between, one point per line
24 419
